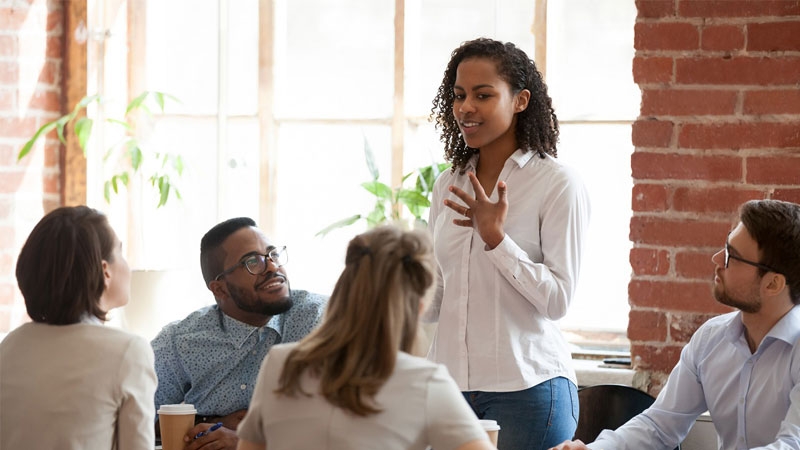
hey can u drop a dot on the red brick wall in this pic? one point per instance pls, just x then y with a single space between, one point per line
30 94
719 124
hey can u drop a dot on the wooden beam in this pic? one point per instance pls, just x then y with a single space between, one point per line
266 117
539 30
73 160
398 116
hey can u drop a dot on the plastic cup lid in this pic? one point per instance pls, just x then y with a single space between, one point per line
182 408
489 425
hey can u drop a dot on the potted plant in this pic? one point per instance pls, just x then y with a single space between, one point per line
389 202
128 155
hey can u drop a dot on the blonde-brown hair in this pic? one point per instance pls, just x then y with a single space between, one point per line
371 315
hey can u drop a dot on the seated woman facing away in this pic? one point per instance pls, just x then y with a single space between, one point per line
351 383
67 381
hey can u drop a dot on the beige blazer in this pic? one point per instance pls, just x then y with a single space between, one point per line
81 386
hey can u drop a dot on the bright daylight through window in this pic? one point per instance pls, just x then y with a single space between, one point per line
334 71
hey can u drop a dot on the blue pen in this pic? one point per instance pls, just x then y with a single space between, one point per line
213 427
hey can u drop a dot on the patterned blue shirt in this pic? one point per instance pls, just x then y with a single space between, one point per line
211 360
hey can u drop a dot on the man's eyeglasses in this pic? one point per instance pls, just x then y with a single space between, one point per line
257 264
729 256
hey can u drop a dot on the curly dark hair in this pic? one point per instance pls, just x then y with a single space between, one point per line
537 125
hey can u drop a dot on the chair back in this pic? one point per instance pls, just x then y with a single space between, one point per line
608 406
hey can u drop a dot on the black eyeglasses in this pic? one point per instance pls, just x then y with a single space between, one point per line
257 264
729 256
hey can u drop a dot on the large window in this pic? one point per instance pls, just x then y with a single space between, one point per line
273 122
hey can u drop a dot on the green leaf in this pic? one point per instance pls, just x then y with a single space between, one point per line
43 130
114 184
178 164
83 130
377 215
124 178
378 189
121 123
411 197
370 158
135 153
339 224
428 175
107 191
163 188
159 99
136 103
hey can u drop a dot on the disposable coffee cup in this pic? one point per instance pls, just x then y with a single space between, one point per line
175 421
492 429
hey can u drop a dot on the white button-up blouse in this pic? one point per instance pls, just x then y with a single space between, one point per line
496 309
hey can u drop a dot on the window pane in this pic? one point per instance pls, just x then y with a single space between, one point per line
320 169
182 53
334 59
589 59
242 52
434 28
602 154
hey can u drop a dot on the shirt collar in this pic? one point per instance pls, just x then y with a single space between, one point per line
787 329
91 318
520 157
239 332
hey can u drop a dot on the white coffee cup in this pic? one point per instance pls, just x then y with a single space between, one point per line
175 421
492 429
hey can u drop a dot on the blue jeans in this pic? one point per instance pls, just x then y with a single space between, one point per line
534 419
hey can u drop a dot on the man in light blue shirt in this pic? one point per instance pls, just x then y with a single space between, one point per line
743 367
211 358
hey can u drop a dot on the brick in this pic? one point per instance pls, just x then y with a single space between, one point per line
646 326
55 18
9 46
660 358
738 8
7 237
696 265
652 69
687 296
5 321
677 232
789 195
773 36
54 47
7 265
722 38
655 8
683 326
774 170
649 197
777 101
713 199
46 100
649 261
685 102
8 100
675 166
651 133
9 72
23 127
7 209
740 135
666 36
757 71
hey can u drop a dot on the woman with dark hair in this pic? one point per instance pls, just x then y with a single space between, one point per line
66 381
508 225
352 383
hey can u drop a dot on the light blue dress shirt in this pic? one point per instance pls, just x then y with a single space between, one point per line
211 360
753 398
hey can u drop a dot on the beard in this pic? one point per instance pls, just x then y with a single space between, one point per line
752 304
247 300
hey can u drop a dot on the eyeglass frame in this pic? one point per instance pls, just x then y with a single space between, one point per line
729 256
278 251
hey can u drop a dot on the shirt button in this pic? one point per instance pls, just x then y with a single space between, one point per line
254 352
244 386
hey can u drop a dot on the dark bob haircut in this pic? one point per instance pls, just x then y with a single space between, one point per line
60 267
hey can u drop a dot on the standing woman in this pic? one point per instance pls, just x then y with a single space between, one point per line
508 226
67 381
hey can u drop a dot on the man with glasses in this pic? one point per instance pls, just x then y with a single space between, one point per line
211 358
742 367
